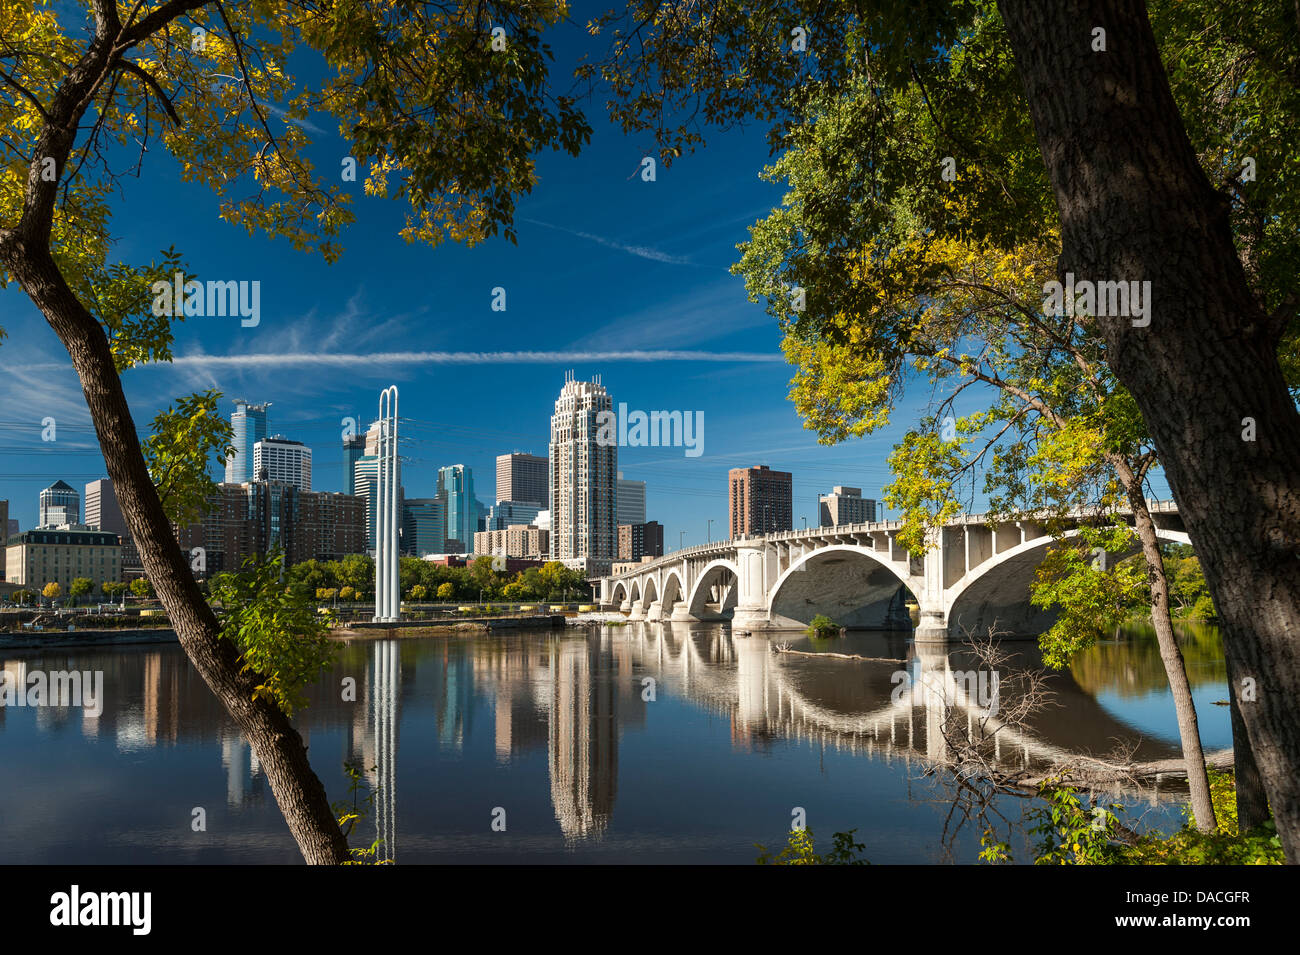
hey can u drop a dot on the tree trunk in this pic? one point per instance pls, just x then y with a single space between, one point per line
1252 801
1198 783
279 748
1136 206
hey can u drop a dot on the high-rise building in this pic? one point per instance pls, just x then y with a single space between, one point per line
354 446
424 526
522 478
279 459
640 540
243 520
4 523
631 501
504 513
760 501
365 479
60 504
249 423
462 509
844 505
102 511
584 475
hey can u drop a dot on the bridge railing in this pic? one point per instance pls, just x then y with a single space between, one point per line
1155 505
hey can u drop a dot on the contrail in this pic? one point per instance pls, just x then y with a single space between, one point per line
466 358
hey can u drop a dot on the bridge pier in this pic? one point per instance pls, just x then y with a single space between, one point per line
682 613
933 626
655 610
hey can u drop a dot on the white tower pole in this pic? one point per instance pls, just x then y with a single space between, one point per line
395 596
379 515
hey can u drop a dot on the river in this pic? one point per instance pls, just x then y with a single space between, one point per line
646 743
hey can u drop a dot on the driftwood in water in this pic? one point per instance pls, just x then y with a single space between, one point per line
1097 773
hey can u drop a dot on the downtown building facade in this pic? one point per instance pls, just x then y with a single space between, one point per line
59 504
522 478
640 540
517 540
279 459
59 555
844 505
424 526
254 518
583 479
105 514
760 501
249 425
631 501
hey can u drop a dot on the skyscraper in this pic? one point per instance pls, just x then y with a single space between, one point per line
249 422
279 459
760 501
424 526
631 501
365 478
354 446
522 478
60 504
461 507
584 475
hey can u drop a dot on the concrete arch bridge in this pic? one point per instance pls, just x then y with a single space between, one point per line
977 575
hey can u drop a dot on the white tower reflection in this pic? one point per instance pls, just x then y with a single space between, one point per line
384 690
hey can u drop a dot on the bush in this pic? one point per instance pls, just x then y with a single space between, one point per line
823 626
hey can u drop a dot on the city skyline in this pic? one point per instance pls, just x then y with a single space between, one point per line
612 277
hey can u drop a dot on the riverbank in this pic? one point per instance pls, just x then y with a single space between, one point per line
74 639
367 630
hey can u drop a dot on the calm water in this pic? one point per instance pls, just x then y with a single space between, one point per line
646 743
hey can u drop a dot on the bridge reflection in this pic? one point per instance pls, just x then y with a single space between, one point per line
575 695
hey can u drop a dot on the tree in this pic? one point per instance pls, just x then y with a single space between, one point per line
112 588
1153 198
1058 434
446 591
51 591
447 123
79 587
141 587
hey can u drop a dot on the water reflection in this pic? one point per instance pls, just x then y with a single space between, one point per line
805 728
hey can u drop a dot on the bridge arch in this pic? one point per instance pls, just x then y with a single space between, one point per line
852 586
673 591
619 593
649 592
996 592
706 602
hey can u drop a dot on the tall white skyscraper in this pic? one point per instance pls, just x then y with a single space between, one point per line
584 475
279 459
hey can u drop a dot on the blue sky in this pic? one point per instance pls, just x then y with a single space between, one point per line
605 262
